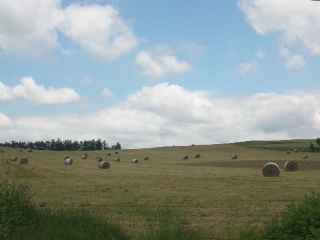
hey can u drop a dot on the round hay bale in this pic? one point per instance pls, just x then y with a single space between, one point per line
185 157
116 152
29 150
84 156
296 150
197 155
2 150
291 166
20 150
135 160
108 154
13 158
68 161
104 165
234 156
24 160
65 157
145 158
271 170
116 159
288 152
99 159
305 156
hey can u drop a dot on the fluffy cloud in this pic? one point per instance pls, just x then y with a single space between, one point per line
297 21
292 61
98 29
160 63
168 114
106 93
28 27
28 90
31 28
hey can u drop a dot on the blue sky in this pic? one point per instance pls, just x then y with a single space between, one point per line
150 73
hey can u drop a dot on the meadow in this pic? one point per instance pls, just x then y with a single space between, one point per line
220 196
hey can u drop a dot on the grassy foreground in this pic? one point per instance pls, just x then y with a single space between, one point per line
220 197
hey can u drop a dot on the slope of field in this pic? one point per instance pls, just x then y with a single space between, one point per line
214 192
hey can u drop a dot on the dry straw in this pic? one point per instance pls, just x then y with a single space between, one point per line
288 152
291 166
197 155
65 157
146 158
185 157
68 161
104 165
108 154
24 160
305 156
116 159
116 152
271 170
13 158
135 160
99 159
234 156
84 156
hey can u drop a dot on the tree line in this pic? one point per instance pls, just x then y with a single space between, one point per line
66 145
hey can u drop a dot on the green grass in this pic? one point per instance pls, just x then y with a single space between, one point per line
206 193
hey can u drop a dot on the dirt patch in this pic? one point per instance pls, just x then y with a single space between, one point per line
303 165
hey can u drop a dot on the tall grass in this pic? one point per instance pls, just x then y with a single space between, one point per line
20 219
170 227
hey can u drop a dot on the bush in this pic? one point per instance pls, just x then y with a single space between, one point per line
298 222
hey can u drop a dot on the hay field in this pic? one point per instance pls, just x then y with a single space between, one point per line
215 192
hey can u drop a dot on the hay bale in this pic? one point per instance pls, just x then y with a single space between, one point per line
197 155
185 157
99 159
145 158
291 166
135 160
29 150
234 156
104 165
84 156
305 156
68 161
116 152
13 158
24 160
108 154
20 150
296 150
271 170
1 150
288 152
116 159
65 157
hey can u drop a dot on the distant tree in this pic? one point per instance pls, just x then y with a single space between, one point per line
311 147
318 141
117 146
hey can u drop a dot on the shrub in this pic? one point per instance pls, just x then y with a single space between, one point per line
298 222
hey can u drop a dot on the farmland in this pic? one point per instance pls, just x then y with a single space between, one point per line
218 194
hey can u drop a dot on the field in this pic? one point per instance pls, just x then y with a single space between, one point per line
218 194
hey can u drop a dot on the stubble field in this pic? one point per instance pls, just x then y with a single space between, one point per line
213 192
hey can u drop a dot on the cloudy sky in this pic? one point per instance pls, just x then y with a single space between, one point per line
150 73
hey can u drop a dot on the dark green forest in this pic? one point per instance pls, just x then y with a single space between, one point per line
66 145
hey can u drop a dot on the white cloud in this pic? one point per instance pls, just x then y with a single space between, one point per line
292 61
297 21
30 28
107 93
28 90
245 68
5 122
160 63
167 114
98 29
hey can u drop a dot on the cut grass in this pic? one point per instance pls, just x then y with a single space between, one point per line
216 197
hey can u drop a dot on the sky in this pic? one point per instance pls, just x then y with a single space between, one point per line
150 73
